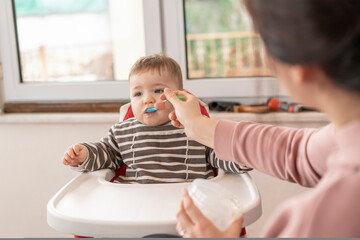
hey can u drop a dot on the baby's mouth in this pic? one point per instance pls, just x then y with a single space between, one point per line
151 110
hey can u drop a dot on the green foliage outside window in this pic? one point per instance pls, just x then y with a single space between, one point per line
46 7
206 16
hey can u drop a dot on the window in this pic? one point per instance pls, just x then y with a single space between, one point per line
220 56
68 50
219 41
75 40
74 49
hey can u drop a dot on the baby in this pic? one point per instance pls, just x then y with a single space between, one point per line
153 150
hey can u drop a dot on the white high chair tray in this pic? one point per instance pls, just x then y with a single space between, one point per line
91 206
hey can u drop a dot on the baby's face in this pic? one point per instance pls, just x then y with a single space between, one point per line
145 90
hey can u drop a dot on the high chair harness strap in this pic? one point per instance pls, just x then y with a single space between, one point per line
119 172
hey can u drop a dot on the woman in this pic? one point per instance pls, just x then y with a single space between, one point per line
313 49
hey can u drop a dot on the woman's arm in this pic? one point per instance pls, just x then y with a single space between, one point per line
296 155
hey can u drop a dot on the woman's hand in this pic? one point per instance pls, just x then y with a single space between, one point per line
187 115
187 110
193 224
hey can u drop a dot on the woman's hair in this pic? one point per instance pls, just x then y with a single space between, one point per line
321 32
158 62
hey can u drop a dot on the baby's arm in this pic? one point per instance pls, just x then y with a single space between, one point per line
99 155
75 155
227 166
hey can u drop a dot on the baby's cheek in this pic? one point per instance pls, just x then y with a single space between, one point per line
137 114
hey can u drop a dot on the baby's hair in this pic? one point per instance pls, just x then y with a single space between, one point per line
158 62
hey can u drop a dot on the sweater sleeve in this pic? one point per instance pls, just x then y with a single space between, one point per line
227 166
278 151
103 154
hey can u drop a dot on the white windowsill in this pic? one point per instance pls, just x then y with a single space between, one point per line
304 117
59 118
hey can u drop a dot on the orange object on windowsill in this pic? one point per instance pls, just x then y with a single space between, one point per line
252 109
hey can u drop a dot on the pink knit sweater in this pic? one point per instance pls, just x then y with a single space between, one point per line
328 162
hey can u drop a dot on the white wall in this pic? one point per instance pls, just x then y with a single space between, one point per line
1 88
31 172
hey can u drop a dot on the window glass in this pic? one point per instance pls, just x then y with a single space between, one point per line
78 40
220 42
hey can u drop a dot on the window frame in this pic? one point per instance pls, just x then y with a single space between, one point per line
14 91
245 88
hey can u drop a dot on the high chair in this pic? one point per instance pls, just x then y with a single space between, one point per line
91 205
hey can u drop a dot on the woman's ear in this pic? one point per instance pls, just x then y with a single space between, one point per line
300 74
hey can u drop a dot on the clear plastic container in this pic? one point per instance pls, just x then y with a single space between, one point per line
217 203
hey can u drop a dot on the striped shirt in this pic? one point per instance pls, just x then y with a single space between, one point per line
154 154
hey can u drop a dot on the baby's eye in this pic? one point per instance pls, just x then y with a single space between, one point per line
159 90
137 94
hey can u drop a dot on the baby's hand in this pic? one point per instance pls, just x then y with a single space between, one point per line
75 155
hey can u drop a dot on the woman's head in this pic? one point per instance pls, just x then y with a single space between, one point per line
325 33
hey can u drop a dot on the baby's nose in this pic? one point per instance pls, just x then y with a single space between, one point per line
149 99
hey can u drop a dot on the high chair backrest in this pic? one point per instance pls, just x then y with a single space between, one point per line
126 113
